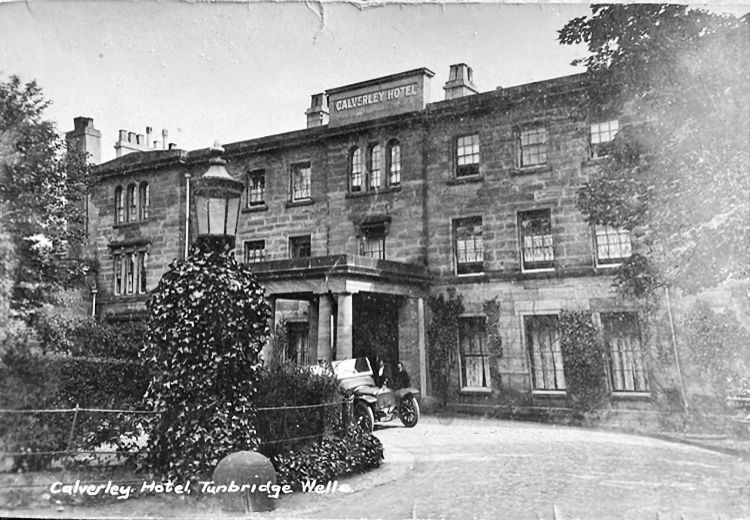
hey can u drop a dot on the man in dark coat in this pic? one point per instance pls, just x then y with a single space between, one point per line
401 377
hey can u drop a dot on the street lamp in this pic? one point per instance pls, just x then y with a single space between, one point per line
217 197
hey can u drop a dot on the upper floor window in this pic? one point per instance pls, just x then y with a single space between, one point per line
373 240
468 245
601 136
536 239
144 200
612 245
394 163
532 146
132 203
255 251
301 182
474 356
130 270
119 206
627 369
545 355
300 247
255 188
467 155
375 166
355 169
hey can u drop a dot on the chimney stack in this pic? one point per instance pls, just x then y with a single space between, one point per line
317 114
460 82
164 135
85 138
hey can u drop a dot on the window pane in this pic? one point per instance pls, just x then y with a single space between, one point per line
142 278
467 155
118 274
355 169
474 357
256 187
612 244
132 204
255 251
627 367
300 247
376 160
394 178
533 146
301 188
537 250
601 137
144 202
119 206
543 341
468 245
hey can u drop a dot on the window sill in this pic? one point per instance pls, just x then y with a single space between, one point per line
530 170
640 396
466 179
594 161
473 391
549 393
608 266
129 297
134 223
539 270
302 202
366 193
255 208
469 275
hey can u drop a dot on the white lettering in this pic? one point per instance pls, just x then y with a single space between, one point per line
373 98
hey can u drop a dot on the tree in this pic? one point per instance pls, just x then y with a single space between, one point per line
679 171
208 321
43 185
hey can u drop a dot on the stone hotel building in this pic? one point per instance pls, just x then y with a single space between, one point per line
383 200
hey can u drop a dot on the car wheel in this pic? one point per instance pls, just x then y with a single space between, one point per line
409 411
363 416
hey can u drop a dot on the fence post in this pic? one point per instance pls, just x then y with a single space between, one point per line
72 429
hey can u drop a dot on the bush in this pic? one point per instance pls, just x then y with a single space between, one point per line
208 321
354 452
293 385
583 352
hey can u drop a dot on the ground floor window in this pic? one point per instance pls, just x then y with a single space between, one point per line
474 358
130 269
626 365
297 347
543 343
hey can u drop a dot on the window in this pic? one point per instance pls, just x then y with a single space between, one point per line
255 188
543 342
612 245
373 241
626 367
255 251
301 181
375 166
130 272
132 201
536 239
467 155
297 350
394 163
300 247
469 247
474 358
532 150
355 169
143 200
601 137
119 206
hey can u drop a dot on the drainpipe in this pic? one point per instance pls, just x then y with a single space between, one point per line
674 346
187 214
93 301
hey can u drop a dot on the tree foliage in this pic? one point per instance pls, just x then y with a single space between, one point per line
679 168
208 321
43 186
442 336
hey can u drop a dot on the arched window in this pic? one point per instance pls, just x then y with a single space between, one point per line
394 163
143 200
119 206
375 166
132 202
355 168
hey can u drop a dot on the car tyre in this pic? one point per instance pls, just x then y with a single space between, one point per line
409 411
363 416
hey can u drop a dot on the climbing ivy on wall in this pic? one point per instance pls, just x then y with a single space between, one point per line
442 336
491 309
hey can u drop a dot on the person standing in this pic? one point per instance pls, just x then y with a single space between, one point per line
401 378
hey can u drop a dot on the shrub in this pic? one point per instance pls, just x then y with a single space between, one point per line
583 352
208 321
293 385
354 452
442 337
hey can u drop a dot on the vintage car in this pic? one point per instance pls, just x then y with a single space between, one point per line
373 403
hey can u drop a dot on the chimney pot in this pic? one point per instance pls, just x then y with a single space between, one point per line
317 114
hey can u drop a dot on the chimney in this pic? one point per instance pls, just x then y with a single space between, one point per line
164 135
85 138
460 82
317 114
148 136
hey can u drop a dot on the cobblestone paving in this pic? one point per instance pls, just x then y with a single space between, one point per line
487 469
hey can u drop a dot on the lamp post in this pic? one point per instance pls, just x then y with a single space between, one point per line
217 197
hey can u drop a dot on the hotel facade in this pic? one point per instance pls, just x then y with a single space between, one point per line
384 200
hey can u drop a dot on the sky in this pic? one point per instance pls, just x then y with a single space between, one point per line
235 71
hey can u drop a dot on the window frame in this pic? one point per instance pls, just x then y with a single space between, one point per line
484 354
119 206
246 248
144 200
541 147
468 268
612 261
374 158
296 168
471 169
130 269
252 190
293 246
356 170
376 231
131 199
601 148
559 386
637 360
535 265
391 171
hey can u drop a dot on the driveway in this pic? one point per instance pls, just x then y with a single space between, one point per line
477 468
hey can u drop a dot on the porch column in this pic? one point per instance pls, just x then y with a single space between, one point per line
344 327
422 348
324 327
312 336
266 352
